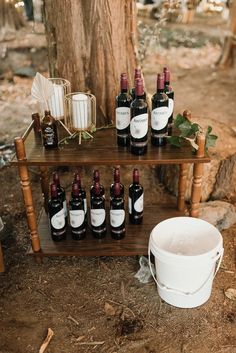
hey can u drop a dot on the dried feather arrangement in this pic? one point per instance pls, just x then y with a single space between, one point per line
42 89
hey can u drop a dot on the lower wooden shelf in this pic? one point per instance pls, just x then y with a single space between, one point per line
134 243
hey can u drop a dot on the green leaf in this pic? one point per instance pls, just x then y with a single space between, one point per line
185 128
195 127
179 120
209 130
176 140
210 141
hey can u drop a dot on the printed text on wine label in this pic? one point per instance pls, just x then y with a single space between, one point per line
139 126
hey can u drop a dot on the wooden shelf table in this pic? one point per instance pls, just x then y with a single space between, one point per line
102 150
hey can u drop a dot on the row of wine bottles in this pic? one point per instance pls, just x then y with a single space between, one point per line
132 113
78 218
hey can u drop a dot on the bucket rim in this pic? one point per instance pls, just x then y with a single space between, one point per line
213 251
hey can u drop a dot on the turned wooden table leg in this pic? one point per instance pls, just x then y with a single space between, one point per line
2 269
197 178
44 185
182 186
27 195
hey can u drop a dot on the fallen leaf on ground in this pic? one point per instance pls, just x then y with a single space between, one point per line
109 310
231 293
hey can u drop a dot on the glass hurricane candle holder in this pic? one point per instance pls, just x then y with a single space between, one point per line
56 103
81 113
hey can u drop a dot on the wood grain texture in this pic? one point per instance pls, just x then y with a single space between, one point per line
103 150
84 42
27 194
196 189
44 179
134 243
182 186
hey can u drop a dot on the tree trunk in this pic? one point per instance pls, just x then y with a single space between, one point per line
91 43
227 56
10 20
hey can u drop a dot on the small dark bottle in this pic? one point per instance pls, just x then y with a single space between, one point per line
49 131
123 101
37 124
98 213
61 193
82 192
170 94
117 214
137 74
56 215
96 179
135 199
77 214
160 114
139 121
116 174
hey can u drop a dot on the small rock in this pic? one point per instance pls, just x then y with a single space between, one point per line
219 213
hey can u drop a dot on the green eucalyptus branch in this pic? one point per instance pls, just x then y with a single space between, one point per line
187 131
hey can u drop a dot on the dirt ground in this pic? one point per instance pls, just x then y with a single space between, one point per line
96 304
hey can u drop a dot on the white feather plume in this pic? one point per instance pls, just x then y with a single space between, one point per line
42 89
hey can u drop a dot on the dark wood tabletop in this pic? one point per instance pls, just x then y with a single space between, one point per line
102 150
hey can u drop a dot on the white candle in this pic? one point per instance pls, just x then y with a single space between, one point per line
80 111
56 101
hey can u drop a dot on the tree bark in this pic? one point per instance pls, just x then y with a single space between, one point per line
10 20
227 56
91 43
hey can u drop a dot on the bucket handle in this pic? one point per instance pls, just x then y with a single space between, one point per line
218 257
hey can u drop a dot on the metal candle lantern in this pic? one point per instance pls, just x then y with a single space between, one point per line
56 102
81 113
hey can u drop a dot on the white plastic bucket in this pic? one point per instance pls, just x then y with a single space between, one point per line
186 251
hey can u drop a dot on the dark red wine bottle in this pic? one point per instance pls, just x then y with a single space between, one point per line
170 94
137 74
56 215
160 114
123 101
135 199
82 192
139 121
116 174
77 214
117 214
49 131
98 213
61 192
96 179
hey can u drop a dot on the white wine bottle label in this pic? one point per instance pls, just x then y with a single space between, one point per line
130 205
97 216
58 220
117 217
159 118
170 106
139 126
85 206
138 205
122 117
65 208
76 218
